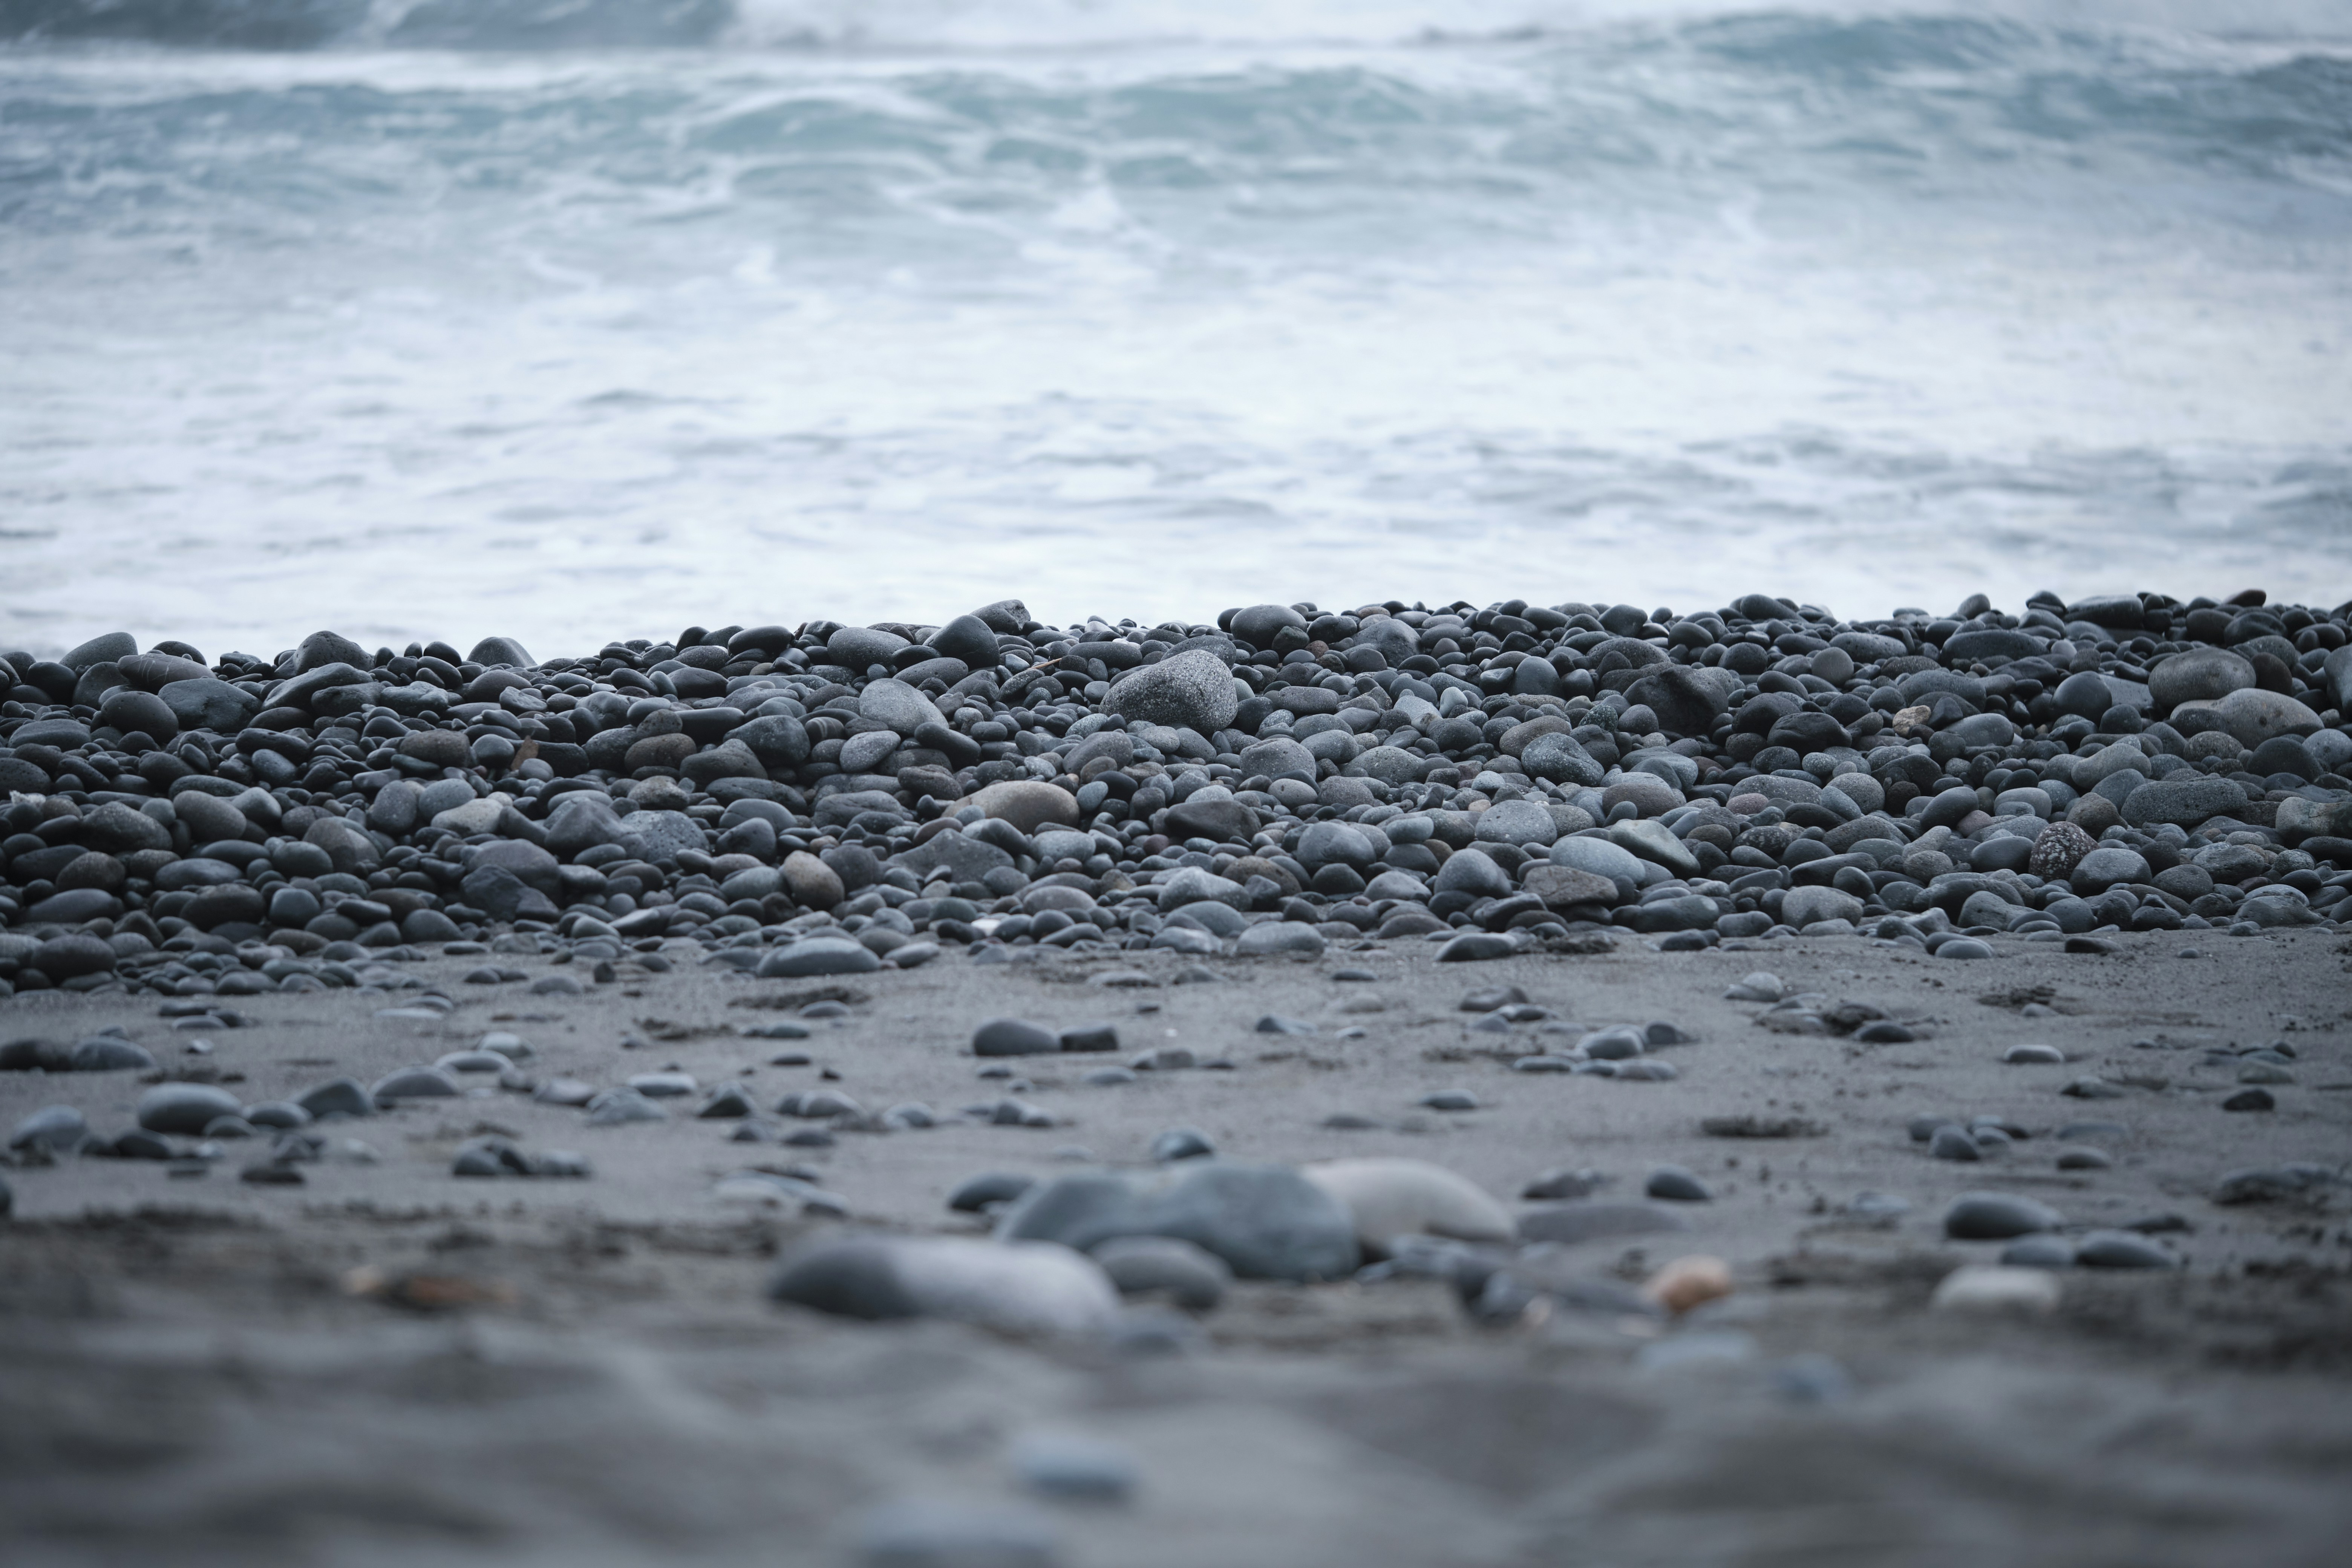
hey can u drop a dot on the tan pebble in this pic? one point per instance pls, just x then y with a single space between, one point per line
1689 1282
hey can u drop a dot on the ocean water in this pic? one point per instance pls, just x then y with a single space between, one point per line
570 318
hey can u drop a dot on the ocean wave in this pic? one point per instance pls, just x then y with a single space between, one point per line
1890 31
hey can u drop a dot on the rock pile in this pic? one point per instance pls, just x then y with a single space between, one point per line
827 798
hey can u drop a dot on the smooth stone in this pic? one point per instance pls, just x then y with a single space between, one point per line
414 1083
1523 823
1477 946
1008 1285
2039 1251
1672 1183
1994 1287
2252 715
1808 905
1191 884
1653 840
184 1108
818 956
1272 937
1180 1144
1953 1142
1014 1037
1267 1222
2122 1249
106 1053
619 1107
57 1127
1189 691
975 1195
342 1096
1190 1277
1997 1216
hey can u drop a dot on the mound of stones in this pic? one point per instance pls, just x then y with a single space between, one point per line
823 798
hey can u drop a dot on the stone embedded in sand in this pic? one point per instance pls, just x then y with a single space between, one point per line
108 1053
415 1083
1993 1288
184 1108
1267 1222
818 956
619 1107
1181 1143
1014 1037
977 1194
1189 1275
1674 1184
1019 1286
52 1127
1954 1142
1997 1216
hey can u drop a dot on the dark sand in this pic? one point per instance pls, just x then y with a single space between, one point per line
188 1373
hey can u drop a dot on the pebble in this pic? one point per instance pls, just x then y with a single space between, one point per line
1006 1284
1267 1222
1189 1276
1997 1216
1676 1184
1014 1037
2122 1249
2039 1251
1181 1143
1687 1283
1995 1288
2033 1055
187 1109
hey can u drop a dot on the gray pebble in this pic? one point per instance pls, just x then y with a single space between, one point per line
1997 1216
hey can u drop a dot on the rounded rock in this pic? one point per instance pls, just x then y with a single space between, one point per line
185 1107
1997 1216
1189 691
